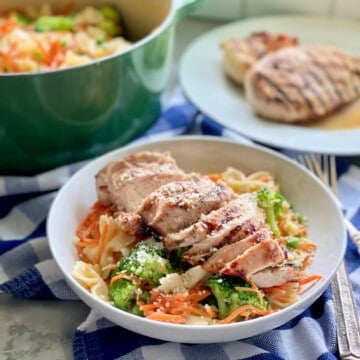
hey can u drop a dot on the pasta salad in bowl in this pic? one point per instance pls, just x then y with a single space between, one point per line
196 239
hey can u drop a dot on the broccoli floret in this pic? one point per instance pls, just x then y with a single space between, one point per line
54 23
111 22
272 203
176 258
111 12
126 293
146 261
230 296
20 18
145 298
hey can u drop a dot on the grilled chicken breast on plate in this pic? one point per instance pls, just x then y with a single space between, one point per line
302 83
241 53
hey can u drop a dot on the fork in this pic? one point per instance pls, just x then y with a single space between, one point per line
324 166
347 322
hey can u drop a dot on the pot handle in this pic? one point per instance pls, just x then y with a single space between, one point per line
185 7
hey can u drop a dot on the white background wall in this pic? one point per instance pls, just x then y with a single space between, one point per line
239 9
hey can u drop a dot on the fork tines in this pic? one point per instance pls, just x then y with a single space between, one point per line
323 166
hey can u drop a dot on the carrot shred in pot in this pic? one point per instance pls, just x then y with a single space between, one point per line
7 26
215 177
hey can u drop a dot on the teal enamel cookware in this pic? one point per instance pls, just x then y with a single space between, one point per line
48 119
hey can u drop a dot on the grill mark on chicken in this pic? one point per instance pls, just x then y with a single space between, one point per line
239 209
130 188
255 46
231 232
280 92
324 69
314 100
258 257
284 68
227 253
302 83
201 251
307 73
277 276
324 83
125 182
302 92
177 205
308 102
241 53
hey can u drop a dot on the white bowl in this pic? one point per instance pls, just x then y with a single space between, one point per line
300 187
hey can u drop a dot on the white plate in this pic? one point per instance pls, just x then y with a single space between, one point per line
304 191
204 83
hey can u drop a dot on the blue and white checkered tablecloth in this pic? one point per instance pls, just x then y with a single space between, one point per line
27 269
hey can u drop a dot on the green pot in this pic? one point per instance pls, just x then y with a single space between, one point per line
53 118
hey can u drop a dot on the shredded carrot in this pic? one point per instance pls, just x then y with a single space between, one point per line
215 177
283 295
179 305
197 294
7 26
101 245
314 277
109 267
88 232
306 262
245 311
306 246
44 56
9 63
176 319
210 311
147 308
87 243
84 258
55 49
124 276
197 311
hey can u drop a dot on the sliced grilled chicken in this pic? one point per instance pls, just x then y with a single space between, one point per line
178 204
232 232
215 263
130 188
126 182
276 276
228 220
225 232
241 53
302 83
258 257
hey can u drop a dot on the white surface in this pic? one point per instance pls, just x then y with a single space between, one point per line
203 81
305 192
